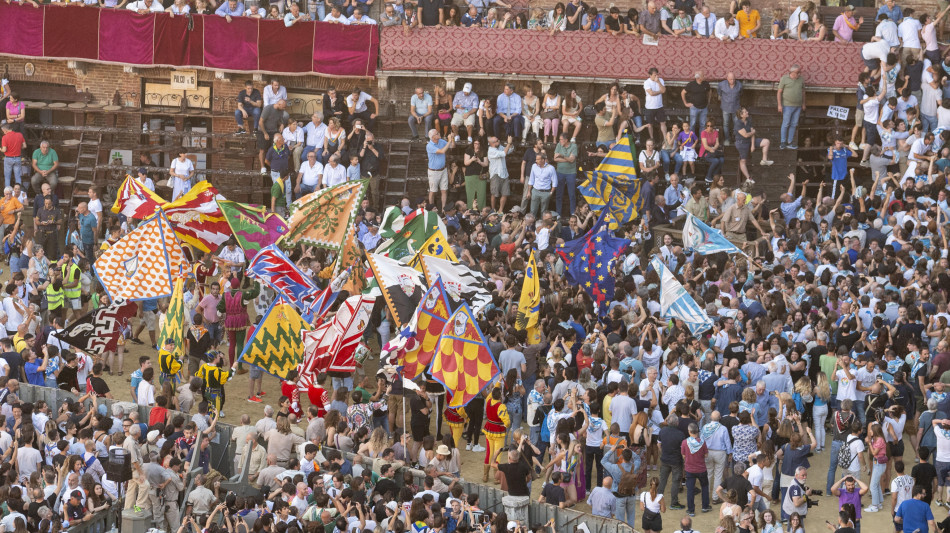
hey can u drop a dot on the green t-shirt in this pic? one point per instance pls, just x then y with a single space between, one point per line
827 365
365 393
571 150
791 90
277 193
45 162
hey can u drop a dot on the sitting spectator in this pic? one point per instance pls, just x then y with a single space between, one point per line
336 16
334 173
356 105
309 176
273 92
334 105
420 112
294 137
16 112
249 105
45 163
465 104
845 25
145 6
231 8
508 121
471 17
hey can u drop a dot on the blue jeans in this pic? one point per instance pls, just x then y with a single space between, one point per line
790 116
665 159
319 11
569 182
307 149
414 124
627 510
351 9
877 495
514 127
833 464
254 114
691 490
342 382
12 167
677 163
305 190
715 165
697 119
728 125
214 331
859 409
929 122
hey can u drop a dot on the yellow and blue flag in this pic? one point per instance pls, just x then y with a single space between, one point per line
529 306
590 260
614 186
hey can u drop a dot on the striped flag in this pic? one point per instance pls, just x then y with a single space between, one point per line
134 200
463 363
704 240
461 282
529 306
614 186
676 303
332 345
406 234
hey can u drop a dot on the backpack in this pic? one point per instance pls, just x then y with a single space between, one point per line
628 483
545 432
844 454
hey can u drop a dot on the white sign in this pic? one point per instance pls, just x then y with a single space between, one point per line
184 80
838 112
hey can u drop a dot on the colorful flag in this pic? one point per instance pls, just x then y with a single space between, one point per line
613 186
433 312
253 226
400 285
332 345
98 331
273 268
140 265
704 240
351 256
174 325
197 219
275 345
135 200
405 235
675 302
463 363
322 218
590 260
435 246
529 306
461 282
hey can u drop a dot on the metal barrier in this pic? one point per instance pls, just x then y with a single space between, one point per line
100 522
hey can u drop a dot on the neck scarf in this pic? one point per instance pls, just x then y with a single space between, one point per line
694 444
708 430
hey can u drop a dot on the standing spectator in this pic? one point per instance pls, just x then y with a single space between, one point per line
746 143
274 92
273 119
436 149
791 103
849 490
726 28
650 20
465 104
749 20
796 498
565 160
892 11
694 460
696 97
886 31
798 21
356 104
704 24
730 94
228 10
420 112
249 105
180 174
45 163
315 132
654 87
498 171
717 439
430 13
909 31
15 112
87 230
542 179
12 145
671 459
915 515
508 120
845 25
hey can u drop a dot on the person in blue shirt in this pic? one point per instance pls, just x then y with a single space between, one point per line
88 223
436 149
892 10
35 369
838 155
914 515
231 8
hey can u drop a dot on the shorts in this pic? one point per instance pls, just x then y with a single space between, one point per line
419 431
688 155
500 186
438 180
458 120
859 117
262 143
394 403
872 64
736 237
74 303
745 148
654 115
571 120
151 319
943 470
255 372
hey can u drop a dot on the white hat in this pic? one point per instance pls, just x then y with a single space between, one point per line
392 506
153 435
467 88
512 525
443 450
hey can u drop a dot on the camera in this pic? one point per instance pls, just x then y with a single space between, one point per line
808 500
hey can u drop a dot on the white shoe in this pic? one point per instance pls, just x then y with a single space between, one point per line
854 146
469 139
478 448
457 139
871 509
750 182
468 446
263 170
573 140
864 145
766 162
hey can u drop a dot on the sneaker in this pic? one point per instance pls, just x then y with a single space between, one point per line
457 139
709 180
781 146
865 163
750 182
221 414
691 513
573 140
468 446
677 507
263 170
707 509
766 163
854 146
727 143
136 340
792 147
261 394
871 509
470 140
478 448
864 145
254 399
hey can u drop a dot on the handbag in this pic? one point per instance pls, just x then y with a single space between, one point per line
550 114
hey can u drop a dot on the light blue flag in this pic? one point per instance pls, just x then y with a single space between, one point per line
675 302
704 240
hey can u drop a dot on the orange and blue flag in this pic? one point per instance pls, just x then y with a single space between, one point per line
463 363
590 260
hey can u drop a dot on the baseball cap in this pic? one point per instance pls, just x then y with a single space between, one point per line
512 525
392 506
467 88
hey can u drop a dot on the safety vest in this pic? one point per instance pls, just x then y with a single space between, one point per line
54 297
73 269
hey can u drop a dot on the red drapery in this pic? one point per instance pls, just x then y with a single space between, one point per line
158 39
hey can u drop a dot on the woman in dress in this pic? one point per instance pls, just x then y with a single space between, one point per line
334 141
531 111
443 110
571 113
745 438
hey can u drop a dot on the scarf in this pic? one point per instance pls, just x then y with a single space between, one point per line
939 396
708 431
746 407
694 444
841 424
944 432
198 331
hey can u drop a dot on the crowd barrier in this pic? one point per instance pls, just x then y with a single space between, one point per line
245 44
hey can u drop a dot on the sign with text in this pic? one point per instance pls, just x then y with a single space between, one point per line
838 112
185 80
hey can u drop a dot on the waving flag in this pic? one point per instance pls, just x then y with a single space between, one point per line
322 217
435 246
332 346
613 186
427 324
275 345
590 259
700 238
273 268
253 226
461 282
529 306
140 265
463 363
401 286
98 331
134 200
405 235
174 325
675 302
350 257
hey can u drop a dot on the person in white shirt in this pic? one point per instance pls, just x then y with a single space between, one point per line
146 391
315 131
180 174
294 136
357 103
254 11
909 33
727 29
336 16
274 92
334 173
887 31
798 21
359 18
654 87
294 15
309 176
847 384
144 6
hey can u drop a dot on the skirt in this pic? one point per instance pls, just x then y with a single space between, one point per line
652 521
